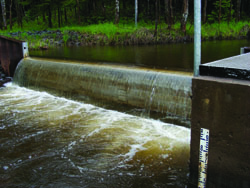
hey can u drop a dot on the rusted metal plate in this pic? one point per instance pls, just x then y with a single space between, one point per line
11 53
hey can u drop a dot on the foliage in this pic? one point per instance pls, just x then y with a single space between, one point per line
97 17
224 30
226 11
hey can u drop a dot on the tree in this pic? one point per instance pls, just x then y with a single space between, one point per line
19 13
10 15
238 10
219 17
230 12
205 11
221 11
169 13
59 16
148 8
78 12
184 16
4 13
156 17
166 11
117 11
49 16
136 12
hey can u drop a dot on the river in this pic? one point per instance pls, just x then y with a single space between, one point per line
51 141
170 56
48 141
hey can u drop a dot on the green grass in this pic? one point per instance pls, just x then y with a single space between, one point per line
109 29
224 29
123 31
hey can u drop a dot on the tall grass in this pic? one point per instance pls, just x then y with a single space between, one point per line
224 29
123 30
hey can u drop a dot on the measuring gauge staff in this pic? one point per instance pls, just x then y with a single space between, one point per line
203 157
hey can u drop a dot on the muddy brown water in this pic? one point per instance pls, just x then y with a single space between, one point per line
48 141
51 141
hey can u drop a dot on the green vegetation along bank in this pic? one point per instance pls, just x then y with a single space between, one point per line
126 34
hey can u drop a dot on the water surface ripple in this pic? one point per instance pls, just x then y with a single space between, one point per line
47 141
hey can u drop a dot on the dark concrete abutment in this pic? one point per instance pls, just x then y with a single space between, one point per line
221 103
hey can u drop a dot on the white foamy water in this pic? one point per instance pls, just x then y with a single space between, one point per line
55 136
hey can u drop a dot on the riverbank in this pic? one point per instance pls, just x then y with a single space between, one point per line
126 34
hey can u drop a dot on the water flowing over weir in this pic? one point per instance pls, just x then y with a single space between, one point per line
51 141
159 91
48 141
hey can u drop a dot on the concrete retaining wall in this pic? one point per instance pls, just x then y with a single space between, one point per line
223 107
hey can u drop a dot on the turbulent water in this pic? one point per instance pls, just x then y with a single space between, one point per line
47 141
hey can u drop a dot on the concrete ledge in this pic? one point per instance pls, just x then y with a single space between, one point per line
237 67
157 91
223 107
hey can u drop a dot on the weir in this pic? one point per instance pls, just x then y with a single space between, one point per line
159 91
56 142
219 100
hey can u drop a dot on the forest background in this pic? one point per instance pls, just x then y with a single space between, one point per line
44 23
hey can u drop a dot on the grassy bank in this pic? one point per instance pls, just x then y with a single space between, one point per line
123 34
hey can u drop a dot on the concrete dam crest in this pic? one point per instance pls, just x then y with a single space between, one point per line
160 91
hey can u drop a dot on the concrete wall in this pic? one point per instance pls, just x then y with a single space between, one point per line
223 107
159 91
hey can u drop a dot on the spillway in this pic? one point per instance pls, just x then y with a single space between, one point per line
160 91
49 140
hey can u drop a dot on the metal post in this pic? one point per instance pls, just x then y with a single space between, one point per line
25 49
242 51
197 36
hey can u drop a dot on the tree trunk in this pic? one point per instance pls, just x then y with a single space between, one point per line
44 17
1 24
4 13
94 6
148 9
65 16
49 17
156 18
117 11
159 13
104 10
238 10
230 12
10 14
166 11
59 17
205 11
78 11
171 14
136 12
184 16
219 17
19 14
